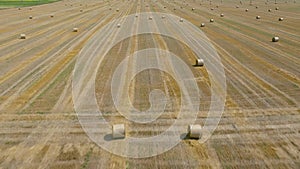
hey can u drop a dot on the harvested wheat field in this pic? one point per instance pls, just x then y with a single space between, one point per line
258 43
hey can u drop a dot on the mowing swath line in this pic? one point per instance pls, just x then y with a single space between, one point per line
20 67
49 135
168 65
293 60
41 14
28 29
254 73
56 54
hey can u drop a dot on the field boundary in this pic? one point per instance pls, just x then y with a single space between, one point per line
23 3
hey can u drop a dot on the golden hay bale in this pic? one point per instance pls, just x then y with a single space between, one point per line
202 25
275 39
199 62
194 131
118 131
22 36
75 29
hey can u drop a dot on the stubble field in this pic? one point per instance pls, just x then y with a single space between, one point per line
260 127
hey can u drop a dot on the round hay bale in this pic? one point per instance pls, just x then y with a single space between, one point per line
150 18
237 6
270 10
136 15
75 29
30 17
211 20
22 36
81 10
202 25
117 9
212 9
256 7
277 8
280 19
246 10
51 16
118 25
118 131
275 39
181 20
163 17
165 7
193 9
30 8
199 62
222 15
194 131
257 17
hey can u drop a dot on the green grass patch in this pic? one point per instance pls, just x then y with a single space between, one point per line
23 3
86 159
